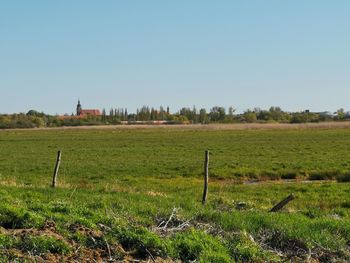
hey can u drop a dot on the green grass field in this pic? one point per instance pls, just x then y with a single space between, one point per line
117 190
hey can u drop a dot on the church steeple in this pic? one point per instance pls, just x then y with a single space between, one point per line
79 109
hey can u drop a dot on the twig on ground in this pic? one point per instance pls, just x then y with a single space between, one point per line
76 251
109 250
169 226
93 239
184 224
148 252
102 226
71 195
171 217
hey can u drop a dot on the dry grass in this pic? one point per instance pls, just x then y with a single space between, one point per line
236 126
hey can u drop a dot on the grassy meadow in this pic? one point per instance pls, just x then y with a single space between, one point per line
135 194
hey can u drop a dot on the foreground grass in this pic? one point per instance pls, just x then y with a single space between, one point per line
121 224
118 190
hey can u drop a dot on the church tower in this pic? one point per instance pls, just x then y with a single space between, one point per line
79 109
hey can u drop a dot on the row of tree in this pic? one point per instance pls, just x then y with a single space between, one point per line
216 114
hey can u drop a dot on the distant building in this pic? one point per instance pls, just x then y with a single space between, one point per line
326 114
88 112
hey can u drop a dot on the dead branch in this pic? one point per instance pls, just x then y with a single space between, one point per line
283 203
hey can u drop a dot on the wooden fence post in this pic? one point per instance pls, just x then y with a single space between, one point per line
281 204
206 177
57 167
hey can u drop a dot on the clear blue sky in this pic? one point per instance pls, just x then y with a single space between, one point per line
294 54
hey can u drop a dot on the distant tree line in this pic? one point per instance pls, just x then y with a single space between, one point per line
185 115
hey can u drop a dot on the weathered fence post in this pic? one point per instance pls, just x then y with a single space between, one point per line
281 204
206 175
57 167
